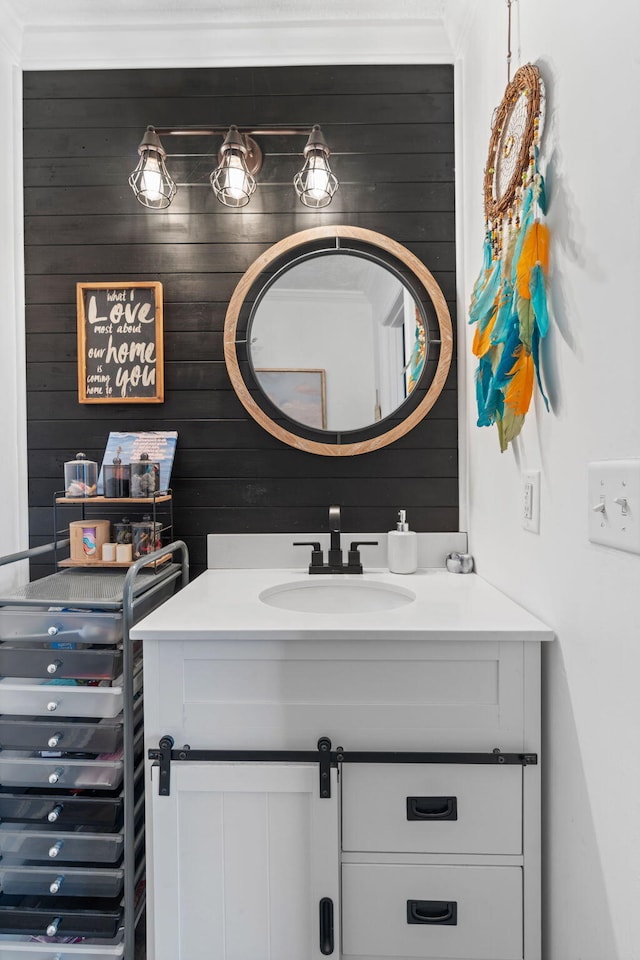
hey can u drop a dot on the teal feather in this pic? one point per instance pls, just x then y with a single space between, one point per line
535 353
538 290
505 313
525 223
527 203
505 364
493 408
483 390
540 193
482 307
487 254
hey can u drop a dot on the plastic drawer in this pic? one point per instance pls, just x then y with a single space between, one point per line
61 626
63 880
43 733
48 843
46 916
13 948
29 697
20 660
29 770
61 809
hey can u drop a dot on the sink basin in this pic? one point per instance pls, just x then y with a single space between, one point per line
336 595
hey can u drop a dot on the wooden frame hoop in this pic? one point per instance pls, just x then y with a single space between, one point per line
526 81
403 255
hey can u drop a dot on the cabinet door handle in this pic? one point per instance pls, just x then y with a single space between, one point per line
326 926
432 808
444 912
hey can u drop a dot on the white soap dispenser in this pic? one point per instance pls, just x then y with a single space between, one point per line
402 547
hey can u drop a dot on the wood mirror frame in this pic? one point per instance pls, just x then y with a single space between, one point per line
290 245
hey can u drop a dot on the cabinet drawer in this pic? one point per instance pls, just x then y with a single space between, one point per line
63 880
29 770
443 912
432 808
43 733
62 626
40 915
60 808
22 660
38 697
48 843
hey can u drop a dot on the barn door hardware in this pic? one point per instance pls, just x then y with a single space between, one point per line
324 756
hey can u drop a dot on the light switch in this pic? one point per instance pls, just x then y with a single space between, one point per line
614 504
531 501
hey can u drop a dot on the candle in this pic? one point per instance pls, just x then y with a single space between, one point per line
109 552
124 552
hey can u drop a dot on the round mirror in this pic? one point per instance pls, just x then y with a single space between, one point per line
338 340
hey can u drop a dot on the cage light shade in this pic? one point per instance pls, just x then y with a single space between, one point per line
150 181
232 181
315 184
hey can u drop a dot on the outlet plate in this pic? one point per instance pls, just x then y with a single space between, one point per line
531 501
614 504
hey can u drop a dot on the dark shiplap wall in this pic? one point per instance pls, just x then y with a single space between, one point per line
391 133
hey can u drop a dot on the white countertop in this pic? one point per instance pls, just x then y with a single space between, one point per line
224 603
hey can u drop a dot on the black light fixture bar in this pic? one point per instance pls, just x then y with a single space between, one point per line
223 131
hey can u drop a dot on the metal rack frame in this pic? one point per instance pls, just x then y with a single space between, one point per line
134 596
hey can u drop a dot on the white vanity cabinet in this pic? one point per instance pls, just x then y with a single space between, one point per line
428 845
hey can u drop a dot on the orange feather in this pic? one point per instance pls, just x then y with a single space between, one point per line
518 393
482 339
535 249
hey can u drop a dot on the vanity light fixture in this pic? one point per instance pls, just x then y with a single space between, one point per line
233 181
239 159
150 181
315 184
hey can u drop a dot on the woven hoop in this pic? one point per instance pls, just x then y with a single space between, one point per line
526 82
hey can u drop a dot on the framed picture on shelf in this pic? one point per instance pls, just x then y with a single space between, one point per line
299 393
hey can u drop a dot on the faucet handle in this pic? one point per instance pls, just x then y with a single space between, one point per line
353 558
316 553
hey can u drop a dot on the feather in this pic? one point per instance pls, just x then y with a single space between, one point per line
487 253
525 224
526 320
483 383
535 353
539 192
537 288
535 249
505 362
518 393
509 426
504 314
482 307
493 408
481 340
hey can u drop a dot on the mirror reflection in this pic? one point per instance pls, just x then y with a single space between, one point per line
337 341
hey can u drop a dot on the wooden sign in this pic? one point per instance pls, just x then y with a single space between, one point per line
120 354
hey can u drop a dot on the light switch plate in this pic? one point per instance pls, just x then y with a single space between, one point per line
531 501
614 504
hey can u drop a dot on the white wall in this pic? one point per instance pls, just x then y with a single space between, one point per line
588 594
13 473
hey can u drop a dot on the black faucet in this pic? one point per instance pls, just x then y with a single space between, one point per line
335 564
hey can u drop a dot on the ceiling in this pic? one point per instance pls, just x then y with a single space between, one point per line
36 13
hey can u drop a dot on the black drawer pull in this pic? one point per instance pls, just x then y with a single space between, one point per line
326 926
444 912
432 808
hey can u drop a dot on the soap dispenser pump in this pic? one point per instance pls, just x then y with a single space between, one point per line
402 547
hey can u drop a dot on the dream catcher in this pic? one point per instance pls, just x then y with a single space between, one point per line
509 299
